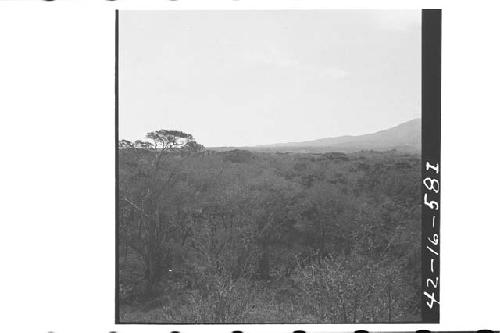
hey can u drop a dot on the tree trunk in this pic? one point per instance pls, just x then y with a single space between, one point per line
153 255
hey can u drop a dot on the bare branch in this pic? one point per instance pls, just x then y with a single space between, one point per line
135 206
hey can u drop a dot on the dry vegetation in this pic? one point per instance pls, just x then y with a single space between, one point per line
243 237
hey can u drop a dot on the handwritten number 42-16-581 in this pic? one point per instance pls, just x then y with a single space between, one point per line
432 186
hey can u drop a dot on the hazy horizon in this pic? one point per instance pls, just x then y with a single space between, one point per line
235 79
315 139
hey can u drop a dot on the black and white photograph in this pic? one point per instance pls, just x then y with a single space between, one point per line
256 166
269 166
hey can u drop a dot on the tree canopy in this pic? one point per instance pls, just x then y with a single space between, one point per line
164 140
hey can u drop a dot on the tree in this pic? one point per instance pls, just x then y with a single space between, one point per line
157 175
193 146
142 144
168 139
125 144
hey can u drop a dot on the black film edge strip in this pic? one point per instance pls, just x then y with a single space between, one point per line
431 163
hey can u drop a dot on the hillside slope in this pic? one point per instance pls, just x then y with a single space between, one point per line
404 137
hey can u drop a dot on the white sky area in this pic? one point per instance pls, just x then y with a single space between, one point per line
238 78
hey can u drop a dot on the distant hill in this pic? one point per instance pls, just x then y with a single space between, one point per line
404 137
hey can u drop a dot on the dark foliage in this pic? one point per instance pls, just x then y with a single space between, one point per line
243 236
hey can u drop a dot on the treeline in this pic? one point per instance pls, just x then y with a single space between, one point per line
218 237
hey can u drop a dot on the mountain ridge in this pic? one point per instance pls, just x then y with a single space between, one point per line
405 137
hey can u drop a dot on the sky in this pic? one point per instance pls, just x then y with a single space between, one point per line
244 78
